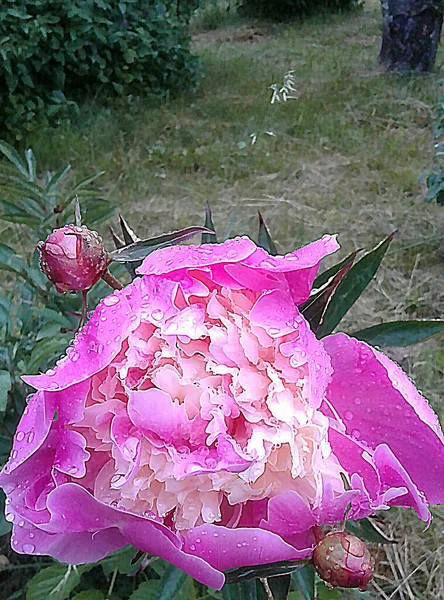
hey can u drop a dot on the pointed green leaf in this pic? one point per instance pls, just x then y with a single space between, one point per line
172 580
329 273
128 234
148 590
280 586
352 286
367 530
304 580
209 238
326 593
5 386
54 180
240 591
264 571
55 582
13 156
315 307
400 333
264 238
118 243
140 250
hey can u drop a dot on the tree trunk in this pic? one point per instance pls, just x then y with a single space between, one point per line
410 35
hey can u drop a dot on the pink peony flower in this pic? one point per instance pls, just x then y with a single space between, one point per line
73 258
198 418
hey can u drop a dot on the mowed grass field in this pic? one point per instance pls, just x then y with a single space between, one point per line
344 157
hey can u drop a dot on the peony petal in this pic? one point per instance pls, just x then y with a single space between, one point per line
31 432
378 405
393 475
225 548
173 258
288 514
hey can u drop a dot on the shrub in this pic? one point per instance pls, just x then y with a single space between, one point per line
284 9
55 51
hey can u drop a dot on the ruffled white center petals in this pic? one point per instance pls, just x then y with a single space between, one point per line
209 404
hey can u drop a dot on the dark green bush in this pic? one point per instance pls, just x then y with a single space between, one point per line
285 9
53 52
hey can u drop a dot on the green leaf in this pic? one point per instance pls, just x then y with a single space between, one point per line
209 238
240 591
148 590
326 593
128 234
5 386
55 582
367 530
53 182
304 580
329 273
399 333
13 156
172 580
264 239
315 307
280 586
89 595
140 250
352 286
122 560
264 571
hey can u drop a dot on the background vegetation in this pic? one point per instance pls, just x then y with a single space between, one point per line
343 157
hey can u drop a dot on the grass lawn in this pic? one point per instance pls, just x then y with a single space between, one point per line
343 158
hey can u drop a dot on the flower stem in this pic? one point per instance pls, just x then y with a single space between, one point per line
267 588
112 281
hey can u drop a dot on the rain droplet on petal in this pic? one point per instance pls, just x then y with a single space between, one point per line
20 436
348 415
28 548
110 300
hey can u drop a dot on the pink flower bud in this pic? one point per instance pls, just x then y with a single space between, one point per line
73 258
343 560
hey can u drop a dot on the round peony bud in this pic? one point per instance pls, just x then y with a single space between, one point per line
343 560
73 258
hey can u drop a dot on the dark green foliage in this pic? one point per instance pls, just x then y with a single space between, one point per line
53 52
285 9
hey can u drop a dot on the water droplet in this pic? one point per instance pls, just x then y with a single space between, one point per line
348 415
232 254
239 545
356 433
244 544
157 314
50 372
358 401
386 412
20 436
32 535
110 300
14 454
192 547
216 535
273 331
31 436
28 548
53 386
21 523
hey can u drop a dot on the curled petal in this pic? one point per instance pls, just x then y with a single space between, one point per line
377 404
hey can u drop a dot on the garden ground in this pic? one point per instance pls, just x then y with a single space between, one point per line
344 157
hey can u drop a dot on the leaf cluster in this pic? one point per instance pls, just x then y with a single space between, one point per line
52 52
